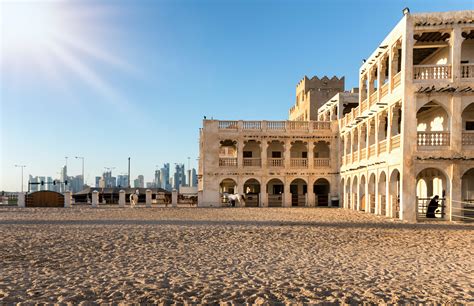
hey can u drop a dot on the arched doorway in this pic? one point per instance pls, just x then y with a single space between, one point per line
382 189
362 195
372 193
275 189
227 186
394 193
252 193
429 183
468 125
467 195
354 198
321 189
298 189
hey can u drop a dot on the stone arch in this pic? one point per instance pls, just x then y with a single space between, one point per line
382 191
362 195
354 199
468 121
299 191
251 153
227 186
228 153
252 192
321 189
431 182
467 194
394 193
348 200
275 189
371 194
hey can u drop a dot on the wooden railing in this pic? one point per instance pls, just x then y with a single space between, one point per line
276 162
228 125
431 72
371 151
322 162
252 125
227 162
396 79
395 142
433 139
363 106
348 159
383 90
468 138
355 155
252 162
299 162
467 71
363 153
382 146
373 98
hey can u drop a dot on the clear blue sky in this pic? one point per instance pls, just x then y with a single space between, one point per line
112 79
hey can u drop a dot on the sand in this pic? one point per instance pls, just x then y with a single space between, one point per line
271 255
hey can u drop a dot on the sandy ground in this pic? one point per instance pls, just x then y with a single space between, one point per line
230 254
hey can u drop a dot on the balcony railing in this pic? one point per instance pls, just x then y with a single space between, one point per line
276 162
373 98
363 153
252 162
252 125
433 139
276 125
232 125
382 146
297 125
383 90
363 106
467 71
299 162
321 125
355 155
431 72
397 78
371 151
395 142
227 162
468 138
322 162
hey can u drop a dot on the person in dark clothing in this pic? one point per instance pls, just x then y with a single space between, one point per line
432 206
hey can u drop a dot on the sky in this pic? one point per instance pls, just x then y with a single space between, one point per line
108 80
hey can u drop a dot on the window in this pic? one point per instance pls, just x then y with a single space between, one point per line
276 154
247 154
469 125
304 154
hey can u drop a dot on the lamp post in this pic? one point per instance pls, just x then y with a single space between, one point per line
21 166
83 178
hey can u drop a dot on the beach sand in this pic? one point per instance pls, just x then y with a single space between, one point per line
190 255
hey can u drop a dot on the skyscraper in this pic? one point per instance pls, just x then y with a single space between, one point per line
179 177
165 177
122 180
157 181
194 178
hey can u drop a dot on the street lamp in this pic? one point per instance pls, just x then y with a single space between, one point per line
83 178
21 166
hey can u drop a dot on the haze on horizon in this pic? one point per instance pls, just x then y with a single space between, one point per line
111 79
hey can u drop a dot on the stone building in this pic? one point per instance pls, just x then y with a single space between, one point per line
407 135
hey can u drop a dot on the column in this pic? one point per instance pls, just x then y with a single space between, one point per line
263 194
310 197
310 155
456 123
379 78
287 157
95 198
174 198
122 198
240 190
377 122
21 199
264 153
454 205
67 199
389 130
240 153
367 195
456 44
148 198
287 195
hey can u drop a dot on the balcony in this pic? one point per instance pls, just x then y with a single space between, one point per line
322 162
396 79
252 125
383 90
383 146
252 162
371 151
431 72
363 153
433 139
395 142
299 163
373 98
468 138
276 162
363 106
273 126
228 125
467 71
228 162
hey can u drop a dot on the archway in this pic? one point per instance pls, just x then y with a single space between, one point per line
227 186
251 154
372 193
321 154
298 189
431 182
228 153
432 126
362 195
354 199
275 154
468 125
275 189
321 189
348 200
382 190
299 154
252 193
394 193
467 194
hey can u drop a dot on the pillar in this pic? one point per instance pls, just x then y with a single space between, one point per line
264 154
122 198
310 154
287 195
310 197
95 199
287 155
455 42
67 199
21 199
240 153
174 198
148 198
454 198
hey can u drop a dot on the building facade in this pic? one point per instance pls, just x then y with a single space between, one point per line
404 136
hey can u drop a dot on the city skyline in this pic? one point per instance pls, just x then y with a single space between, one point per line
153 70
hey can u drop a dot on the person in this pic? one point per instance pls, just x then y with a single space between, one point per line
432 206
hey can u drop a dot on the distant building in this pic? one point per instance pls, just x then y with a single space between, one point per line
194 178
122 180
179 178
157 180
139 182
165 177
97 181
